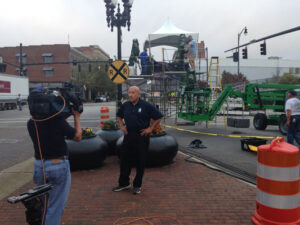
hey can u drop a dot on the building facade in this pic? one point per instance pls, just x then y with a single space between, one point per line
47 74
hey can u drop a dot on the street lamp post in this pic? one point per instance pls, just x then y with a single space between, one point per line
245 31
118 20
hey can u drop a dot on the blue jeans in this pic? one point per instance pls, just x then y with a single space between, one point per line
292 132
144 68
20 105
58 174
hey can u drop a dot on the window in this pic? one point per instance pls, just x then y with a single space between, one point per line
48 72
297 71
48 57
24 57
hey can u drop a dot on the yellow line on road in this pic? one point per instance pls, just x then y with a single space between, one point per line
213 134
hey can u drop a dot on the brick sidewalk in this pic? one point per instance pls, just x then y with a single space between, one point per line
191 193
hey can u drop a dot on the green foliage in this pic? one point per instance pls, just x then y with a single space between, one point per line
274 80
288 78
110 125
229 78
135 52
97 80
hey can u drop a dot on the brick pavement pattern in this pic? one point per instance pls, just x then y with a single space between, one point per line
188 192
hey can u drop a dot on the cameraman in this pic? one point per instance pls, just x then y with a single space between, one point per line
50 148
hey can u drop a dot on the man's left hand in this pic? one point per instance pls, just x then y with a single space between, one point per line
146 131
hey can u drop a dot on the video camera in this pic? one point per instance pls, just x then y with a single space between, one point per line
32 202
44 103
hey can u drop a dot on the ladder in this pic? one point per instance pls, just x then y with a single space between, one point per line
215 83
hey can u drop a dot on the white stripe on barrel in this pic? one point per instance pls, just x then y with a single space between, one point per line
278 201
277 173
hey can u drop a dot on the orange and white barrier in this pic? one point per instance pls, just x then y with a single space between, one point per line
278 184
104 115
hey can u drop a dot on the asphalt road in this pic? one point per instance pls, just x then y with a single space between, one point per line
226 150
15 143
16 146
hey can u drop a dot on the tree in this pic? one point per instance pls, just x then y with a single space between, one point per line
229 78
96 81
274 79
288 78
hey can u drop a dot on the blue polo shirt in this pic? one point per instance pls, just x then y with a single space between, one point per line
143 56
193 48
137 117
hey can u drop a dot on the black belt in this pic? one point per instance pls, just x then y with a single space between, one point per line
64 157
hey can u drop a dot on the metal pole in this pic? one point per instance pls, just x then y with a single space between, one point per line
21 61
164 89
206 64
267 37
238 67
119 86
206 123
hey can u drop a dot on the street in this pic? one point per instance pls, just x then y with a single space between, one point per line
16 146
15 143
17 163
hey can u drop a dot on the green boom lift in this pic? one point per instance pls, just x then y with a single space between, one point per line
193 102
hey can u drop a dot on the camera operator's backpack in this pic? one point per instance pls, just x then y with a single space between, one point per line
43 104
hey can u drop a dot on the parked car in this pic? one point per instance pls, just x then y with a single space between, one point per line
100 99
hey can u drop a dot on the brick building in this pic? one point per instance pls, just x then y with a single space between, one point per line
48 75
93 52
201 50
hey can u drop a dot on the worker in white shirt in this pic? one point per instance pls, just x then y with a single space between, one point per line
292 109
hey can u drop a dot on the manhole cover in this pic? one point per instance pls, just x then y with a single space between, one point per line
8 141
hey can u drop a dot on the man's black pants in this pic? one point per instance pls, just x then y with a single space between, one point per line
133 154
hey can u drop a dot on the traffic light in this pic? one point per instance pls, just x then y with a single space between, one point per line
245 53
235 57
263 49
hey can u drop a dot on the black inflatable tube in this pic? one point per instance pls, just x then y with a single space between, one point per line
162 150
87 154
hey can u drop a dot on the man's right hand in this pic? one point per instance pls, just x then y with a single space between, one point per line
124 130
75 113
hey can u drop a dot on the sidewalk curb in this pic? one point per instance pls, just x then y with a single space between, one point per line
15 177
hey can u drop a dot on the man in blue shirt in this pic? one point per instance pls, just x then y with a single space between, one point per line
192 51
144 56
137 114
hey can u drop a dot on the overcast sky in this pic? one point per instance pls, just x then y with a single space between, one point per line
36 22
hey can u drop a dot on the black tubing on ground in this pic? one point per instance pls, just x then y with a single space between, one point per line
282 125
260 121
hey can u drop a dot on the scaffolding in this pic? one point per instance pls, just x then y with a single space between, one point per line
161 85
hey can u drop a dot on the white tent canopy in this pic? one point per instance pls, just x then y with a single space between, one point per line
168 35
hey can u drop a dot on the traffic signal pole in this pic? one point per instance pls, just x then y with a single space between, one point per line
265 38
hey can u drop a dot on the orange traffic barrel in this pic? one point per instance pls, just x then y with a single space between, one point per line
104 115
278 189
